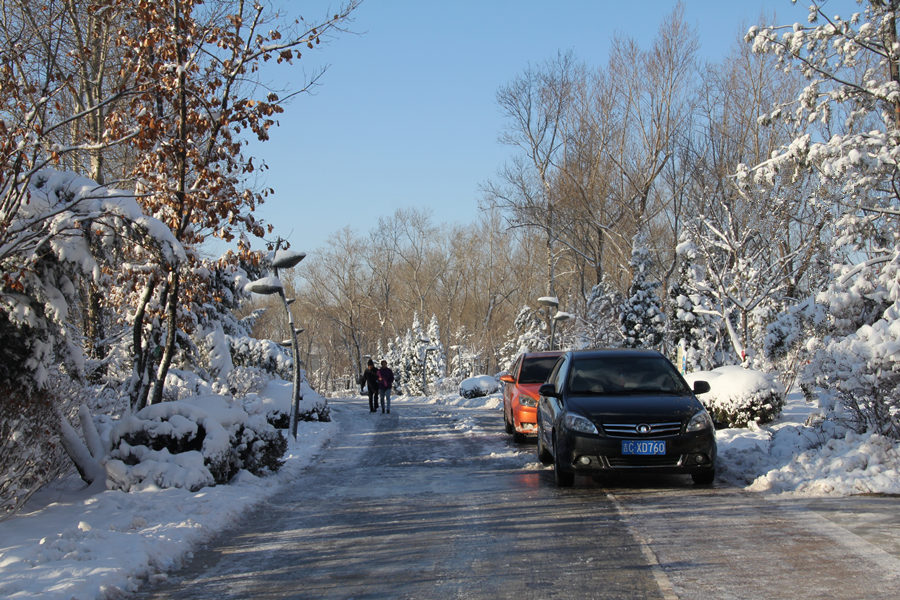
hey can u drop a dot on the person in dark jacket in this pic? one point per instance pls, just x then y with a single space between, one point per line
369 379
385 382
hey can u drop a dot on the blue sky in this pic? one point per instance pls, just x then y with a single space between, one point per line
406 114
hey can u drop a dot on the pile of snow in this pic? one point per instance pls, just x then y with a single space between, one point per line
477 386
740 396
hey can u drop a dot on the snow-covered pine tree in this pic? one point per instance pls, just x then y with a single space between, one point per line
529 333
412 353
601 325
642 322
689 313
436 363
461 357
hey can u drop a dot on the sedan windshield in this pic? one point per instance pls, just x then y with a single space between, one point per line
536 368
624 375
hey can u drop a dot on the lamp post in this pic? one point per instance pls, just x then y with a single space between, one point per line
558 315
284 259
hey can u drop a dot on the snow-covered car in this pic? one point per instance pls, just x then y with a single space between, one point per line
479 385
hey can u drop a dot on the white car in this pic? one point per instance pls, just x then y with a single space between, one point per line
479 385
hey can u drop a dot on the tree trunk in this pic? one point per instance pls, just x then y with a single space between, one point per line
171 334
890 44
139 355
87 464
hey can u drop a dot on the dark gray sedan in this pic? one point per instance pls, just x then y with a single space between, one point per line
603 411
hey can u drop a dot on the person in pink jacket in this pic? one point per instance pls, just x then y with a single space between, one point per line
385 383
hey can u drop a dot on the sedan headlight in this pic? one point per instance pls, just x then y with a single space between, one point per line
527 401
579 424
700 421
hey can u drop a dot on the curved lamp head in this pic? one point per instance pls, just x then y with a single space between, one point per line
549 301
285 259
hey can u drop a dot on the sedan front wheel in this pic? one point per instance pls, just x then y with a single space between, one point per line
563 477
542 453
509 427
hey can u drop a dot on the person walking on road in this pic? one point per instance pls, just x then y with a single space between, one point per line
385 382
369 379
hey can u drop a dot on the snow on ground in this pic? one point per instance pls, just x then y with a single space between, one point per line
67 544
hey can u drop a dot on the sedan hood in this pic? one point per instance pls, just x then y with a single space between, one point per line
638 406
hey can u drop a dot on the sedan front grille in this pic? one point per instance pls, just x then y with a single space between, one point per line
642 430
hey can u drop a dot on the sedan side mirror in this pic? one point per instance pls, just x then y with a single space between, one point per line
701 387
507 378
549 390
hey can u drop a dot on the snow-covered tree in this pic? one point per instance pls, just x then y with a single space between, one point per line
436 362
848 134
690 322
462 357
529 333
601 325
47 252
642 321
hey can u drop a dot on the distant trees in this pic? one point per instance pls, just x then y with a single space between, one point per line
737 210
461 280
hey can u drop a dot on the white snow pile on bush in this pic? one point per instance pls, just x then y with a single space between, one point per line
191 444
477 386
274 401
740 396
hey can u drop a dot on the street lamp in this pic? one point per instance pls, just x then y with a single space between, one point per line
284 259
553 302
559 316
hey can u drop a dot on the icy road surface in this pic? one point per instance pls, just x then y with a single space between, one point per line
437 502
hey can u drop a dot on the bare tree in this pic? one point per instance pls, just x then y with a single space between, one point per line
536 104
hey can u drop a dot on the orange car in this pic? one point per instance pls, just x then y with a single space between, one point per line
520 391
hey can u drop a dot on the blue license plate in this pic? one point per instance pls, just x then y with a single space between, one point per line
644 447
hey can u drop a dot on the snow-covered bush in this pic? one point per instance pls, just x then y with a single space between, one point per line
262 354
479 385
191 443
740 396
274 405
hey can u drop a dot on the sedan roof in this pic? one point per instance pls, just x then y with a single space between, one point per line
600 352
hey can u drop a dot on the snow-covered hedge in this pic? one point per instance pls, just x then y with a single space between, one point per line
740 396
190 444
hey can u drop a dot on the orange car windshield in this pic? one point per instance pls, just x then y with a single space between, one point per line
536 368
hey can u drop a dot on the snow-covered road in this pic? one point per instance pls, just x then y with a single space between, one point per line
426 502
435 502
